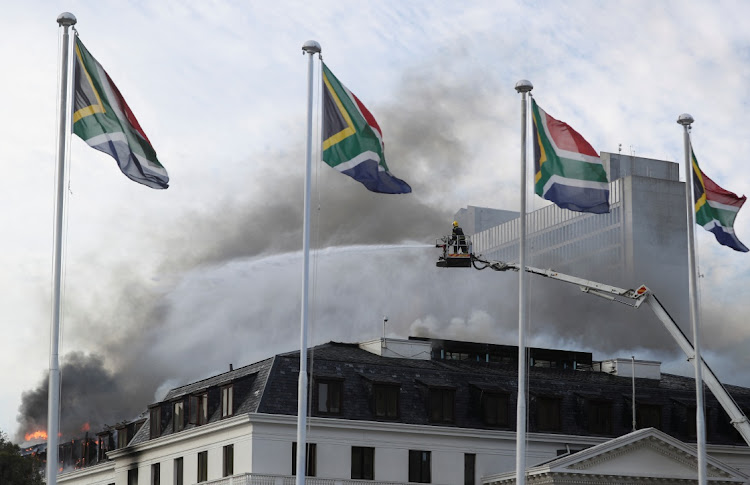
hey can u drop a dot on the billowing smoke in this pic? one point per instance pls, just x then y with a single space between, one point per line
87 398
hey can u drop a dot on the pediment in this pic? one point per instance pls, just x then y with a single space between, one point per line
643 455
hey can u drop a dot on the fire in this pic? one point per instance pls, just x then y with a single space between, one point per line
85 427
36 435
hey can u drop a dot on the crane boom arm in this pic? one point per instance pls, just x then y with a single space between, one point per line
635 298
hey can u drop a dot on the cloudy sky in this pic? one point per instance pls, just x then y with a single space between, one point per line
167 287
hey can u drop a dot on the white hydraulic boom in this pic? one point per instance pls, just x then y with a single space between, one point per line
636 298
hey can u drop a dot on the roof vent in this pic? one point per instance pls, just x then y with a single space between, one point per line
646 369
398 348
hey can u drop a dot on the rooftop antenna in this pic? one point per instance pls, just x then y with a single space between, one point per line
619 148
385 320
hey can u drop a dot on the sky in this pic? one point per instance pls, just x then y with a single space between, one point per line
165 287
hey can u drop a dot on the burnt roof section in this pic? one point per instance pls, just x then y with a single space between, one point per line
270 386
360 371
248 384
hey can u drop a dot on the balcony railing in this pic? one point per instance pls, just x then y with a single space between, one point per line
257 479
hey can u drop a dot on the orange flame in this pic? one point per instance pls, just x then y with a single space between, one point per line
36 435
85 427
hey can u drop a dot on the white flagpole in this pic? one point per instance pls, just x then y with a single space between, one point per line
686 120
522 87
65 20
310 47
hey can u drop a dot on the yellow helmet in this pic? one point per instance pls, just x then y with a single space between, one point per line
455 223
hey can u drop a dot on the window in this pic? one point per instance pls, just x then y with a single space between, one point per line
179 416
469 468
329 396
648 416
133 476
155 474
106 443
178 471
227 408
228 461
155 422
600 417
548 414
419 466
202 466
122 437
495 409
386 400
309 460
363 463
199 409
441 405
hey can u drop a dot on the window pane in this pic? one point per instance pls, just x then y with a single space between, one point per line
309 459
155 474
363 463
228 461
202 466
392 401
179 416
178 471
419 466
203 413
323 397
469 462
226 402
155 421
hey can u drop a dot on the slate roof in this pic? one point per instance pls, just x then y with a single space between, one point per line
270 386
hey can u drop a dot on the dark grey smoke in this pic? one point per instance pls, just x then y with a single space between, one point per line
87 398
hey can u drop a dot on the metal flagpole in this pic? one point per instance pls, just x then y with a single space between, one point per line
686 120
522 87
310 47
632 370
65 20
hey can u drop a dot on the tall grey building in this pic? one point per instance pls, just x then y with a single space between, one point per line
643 240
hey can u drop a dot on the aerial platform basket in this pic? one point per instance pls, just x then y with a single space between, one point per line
455 254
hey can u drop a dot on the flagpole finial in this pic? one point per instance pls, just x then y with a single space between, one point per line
66 19
685 119
311 47
524 86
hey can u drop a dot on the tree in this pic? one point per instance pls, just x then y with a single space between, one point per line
18 469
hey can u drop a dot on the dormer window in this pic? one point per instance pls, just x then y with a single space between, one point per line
122 437
227 398
495 409
548 414
155 421
329 394
179 416
599 416
199 409
442 405
386 400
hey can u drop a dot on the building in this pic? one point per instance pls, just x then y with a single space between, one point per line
643 239
392 411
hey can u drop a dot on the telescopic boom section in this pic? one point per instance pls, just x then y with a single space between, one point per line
635 298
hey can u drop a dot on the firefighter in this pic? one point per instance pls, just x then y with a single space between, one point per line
458 239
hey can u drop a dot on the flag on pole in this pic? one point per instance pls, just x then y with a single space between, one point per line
716 208
353 141
567 170
102 118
